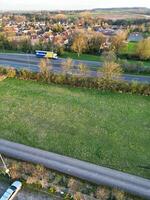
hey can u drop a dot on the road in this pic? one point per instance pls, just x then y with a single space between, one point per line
77 168
31 62
24 194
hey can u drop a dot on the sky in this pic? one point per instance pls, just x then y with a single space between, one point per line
69 4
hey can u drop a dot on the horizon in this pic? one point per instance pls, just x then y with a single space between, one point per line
48 5
57 10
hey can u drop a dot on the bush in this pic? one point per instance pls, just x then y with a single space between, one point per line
11 72
25 74
55 182
101 83
3 71
102 193
143 49
111 70
137 67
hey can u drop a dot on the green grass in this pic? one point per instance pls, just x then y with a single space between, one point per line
104 128
81 57
145 63
9 51
130 48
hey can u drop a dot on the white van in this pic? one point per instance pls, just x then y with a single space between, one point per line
12 191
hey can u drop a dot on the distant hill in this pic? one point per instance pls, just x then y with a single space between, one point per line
124 11
138 10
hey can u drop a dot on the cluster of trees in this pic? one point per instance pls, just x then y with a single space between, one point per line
88 43
143 49
25 45
96 43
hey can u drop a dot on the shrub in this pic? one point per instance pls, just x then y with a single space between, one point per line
3 71
137 67
45 69
118 195
111 70
11 72
143 49
101 83
83 69
25 74
74 185
67 66
102 193
72 188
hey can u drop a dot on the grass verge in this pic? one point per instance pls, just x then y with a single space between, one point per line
101 127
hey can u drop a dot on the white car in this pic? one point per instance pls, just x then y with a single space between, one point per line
12 191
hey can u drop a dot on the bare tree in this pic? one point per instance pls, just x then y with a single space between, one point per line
45 68
83 69
111 71
67 65
117 41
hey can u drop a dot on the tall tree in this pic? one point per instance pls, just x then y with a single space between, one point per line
117 41
143 49
79 44
95 42
67 65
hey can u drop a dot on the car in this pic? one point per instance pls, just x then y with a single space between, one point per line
11 192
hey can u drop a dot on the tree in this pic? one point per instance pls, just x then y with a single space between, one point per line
25 46
4 43
109 56
87 18
67 65
83 69
79 44
117 41
57 28
45 69
60 17
143 49
95 42
111 70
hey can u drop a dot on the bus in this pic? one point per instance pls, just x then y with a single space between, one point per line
12 191
46 54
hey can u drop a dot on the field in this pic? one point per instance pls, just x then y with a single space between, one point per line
104 128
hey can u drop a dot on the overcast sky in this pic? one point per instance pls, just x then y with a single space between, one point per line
69 4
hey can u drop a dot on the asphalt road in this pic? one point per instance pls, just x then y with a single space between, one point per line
76 168
31 62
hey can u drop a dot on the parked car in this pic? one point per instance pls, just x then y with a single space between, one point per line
12 191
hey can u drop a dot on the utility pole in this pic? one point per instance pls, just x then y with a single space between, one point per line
5 166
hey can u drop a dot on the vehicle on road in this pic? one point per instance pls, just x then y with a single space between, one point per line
12 191
46 54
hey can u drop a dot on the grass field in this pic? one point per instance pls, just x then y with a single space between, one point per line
81 57
130 48
104 128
